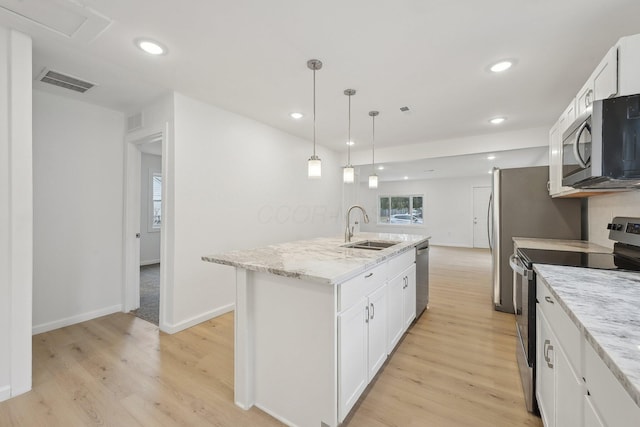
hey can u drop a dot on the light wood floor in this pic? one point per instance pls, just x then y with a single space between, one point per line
455 367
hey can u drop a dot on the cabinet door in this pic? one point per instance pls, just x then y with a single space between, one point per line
395 318
352 356
569 390
377 330
545 384
605 77
591 417
409 296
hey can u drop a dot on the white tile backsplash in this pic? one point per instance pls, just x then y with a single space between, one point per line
602 209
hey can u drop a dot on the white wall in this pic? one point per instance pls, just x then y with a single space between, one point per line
237 184
16 213
448 208
78 197
149 238
602 209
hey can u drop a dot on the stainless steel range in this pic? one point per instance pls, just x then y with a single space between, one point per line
626 256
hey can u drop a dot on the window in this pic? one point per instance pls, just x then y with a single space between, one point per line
405 210
156 201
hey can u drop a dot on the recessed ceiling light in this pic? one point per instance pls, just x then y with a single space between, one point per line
350 143
296 115
151 47
406 177
380 168
497 120
501 66
491 157
490 172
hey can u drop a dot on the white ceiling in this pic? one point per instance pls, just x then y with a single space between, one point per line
457 166
249 56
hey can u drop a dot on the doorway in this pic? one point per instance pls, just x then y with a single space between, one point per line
144 287
150 230
481 216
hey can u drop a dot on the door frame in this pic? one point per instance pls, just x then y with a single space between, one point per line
132 202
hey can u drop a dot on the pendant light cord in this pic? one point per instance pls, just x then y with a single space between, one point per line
349 142
373 146
314 113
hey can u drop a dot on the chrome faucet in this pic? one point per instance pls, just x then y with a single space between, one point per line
348 234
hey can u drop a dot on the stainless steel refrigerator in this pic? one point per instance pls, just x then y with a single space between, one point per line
520 206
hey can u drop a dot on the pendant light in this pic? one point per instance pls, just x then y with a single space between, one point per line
348 174
314 164
373 178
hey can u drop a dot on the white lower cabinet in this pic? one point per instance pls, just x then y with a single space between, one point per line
409 296
352 341
402 304
574 387
369 326
377 331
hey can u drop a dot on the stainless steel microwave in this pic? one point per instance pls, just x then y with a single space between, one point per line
601 149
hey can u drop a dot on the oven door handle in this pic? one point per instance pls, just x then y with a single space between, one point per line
518 266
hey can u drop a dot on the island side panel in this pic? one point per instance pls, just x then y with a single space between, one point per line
295 349
244 348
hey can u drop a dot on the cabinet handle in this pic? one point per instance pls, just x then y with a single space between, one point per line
368 275
587 98
373 311
547 348
366 317
548 299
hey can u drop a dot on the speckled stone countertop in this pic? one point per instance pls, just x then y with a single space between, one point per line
604 306
322 260
559 245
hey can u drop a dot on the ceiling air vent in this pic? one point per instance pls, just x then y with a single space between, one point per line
58 79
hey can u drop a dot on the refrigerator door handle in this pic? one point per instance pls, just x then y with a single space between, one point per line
489 221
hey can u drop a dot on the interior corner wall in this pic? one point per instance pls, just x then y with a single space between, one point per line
237 184
78 211
448 208
149 238
16 213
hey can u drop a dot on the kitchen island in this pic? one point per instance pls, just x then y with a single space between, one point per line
315 320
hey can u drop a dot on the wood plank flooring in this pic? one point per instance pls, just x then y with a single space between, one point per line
455 367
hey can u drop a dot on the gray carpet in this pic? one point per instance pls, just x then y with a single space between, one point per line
149 293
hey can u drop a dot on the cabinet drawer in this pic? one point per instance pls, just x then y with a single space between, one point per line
363 284
610 400
563 327
401 262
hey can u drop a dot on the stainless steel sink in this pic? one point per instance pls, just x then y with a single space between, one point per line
371 245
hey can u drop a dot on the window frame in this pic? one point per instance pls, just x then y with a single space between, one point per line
151 227
411 209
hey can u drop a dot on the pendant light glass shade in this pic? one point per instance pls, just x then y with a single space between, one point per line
314 165
349 173
373 178
373 181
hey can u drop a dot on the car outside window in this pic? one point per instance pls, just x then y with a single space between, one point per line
400 210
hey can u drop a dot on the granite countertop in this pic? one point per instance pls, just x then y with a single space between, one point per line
559 245
604 306
322 260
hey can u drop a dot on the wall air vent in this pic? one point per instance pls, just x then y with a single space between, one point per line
58 79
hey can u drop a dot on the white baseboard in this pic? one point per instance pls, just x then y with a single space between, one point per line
172 329
72 320
5 392
150 262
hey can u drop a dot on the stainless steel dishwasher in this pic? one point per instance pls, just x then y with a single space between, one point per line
422 278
